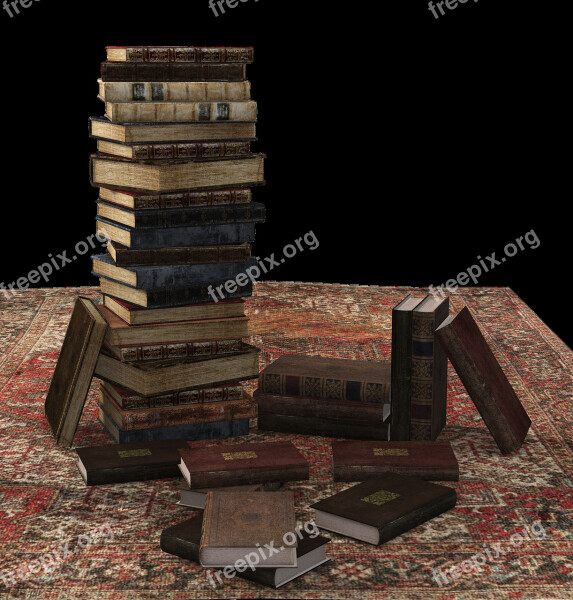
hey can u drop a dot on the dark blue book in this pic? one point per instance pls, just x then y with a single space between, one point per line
143 239
148 278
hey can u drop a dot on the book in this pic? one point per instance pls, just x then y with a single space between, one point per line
429 380
328 378
172 296
176 174
183 540
360 461
128 400
139 71
323 427
162 54
153 131
156 377
484 380
120 333
186 199
200 431
243 464
196 498
257 518
174 150
302 406
173 416
175 91
401 367
178 255
253 212
180 112
103 465
153 277
381 509
74 370
136 315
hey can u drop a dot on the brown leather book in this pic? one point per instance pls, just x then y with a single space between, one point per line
242 464
360 461
484 380
380 509
196 498
74 370
175 71
192 54
236 524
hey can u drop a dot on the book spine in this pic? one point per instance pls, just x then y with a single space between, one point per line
401 372
193 199
184 350
190 150
139 473
111 71
178 547
200 480
364 473
152 54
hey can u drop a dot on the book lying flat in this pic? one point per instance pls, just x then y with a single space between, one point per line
196 498
192 54
184 538
360 461
380 509
165 151
174 71
242 464
102 465
238 523
484 380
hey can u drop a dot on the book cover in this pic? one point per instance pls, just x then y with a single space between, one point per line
176 71
167 54
166 151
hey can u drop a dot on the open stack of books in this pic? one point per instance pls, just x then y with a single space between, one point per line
175 170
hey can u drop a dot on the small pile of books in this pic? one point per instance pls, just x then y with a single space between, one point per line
175 170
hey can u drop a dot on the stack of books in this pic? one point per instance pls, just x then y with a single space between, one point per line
175 170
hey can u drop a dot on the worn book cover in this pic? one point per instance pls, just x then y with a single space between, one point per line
164 151
172 71
191 54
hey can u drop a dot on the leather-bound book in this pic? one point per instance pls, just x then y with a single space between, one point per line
172 71
196 498
360 461
484 380
186 54
242 464
236 524
380 509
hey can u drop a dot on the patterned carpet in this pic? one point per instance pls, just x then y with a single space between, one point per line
102 543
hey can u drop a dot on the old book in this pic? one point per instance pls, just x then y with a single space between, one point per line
242 464
184 538
119 333
180 112
196 498
329 378
102 465
360 461
174 150
176 174
257 519
253 212
140 71
153 277
322 426
136 315
429 381
173 416
484 380
193 54
181 255
174 91
302 406
187 199
157 132
127 400
156 377
381 509
74 370
200 431
401 367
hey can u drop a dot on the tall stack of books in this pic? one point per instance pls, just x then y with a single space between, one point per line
175 170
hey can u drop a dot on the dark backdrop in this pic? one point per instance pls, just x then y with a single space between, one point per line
409 145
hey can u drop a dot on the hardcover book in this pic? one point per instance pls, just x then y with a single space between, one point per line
328 378
176 71
360 461
174 150
74 370
484 380
429 381
196 498
183 540
192 54
102 465
242 464
258 519
381 509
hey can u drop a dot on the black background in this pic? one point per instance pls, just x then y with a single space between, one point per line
409 145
